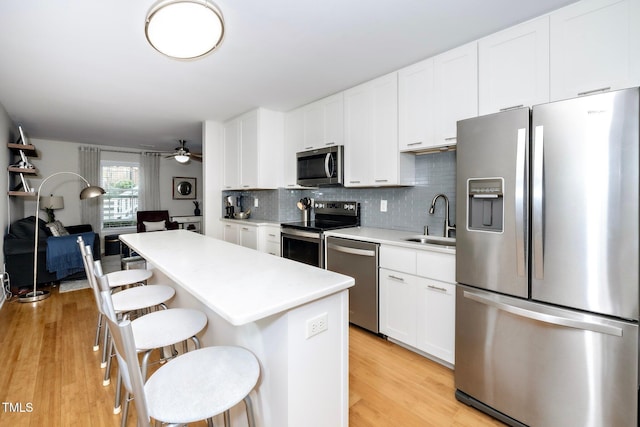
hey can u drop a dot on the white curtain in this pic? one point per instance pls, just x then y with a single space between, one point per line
149 191
90 169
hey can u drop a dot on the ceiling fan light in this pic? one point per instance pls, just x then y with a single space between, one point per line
181 158
184 29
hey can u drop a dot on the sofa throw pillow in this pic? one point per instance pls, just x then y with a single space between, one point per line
155 226
57 229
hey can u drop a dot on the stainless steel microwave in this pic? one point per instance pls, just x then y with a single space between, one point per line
323 166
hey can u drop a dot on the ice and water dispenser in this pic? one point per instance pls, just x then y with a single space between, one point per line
485 204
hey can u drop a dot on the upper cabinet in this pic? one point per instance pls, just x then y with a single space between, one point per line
513 67
456 90
371 135
323 122
293 140
434 95
250 142
595 47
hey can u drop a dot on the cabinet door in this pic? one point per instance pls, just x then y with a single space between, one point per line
231 155
514 67
333 109
436 318
249 167
313 125
359 136
249 236
456 89
293 139
397 306
231 233
384 123
416 106
594 47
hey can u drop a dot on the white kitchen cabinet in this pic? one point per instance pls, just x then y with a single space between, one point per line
269 239
397 296
435 319
293 143
249 236
371 136
513 67
417 299
231 155
231 233
594 47
416 105
323 122
456 91
249 143
433 95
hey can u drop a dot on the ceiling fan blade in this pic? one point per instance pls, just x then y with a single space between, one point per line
196 156
170 156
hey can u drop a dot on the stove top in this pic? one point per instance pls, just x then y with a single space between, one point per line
330 216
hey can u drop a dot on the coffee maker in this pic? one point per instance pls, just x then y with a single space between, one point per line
229 203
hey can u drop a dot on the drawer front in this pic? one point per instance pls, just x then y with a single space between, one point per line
437 265
272 248
398 259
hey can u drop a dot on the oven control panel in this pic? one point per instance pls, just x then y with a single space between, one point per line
337 208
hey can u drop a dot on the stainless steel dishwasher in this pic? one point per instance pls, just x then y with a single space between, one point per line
360 261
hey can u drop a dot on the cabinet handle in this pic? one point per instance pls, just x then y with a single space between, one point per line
436 288
354 182
228 226
330 143
414 143
272 235
589 92
512 107
382 180
451 138
308 148
245 228
245 186
395 278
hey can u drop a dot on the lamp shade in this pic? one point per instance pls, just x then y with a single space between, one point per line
184 29
91 191
51 202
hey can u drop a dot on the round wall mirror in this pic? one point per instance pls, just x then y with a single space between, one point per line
184 188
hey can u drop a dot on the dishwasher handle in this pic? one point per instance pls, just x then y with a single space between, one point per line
352 251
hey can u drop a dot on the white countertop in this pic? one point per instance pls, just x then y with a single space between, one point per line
241 285
250 221
388 237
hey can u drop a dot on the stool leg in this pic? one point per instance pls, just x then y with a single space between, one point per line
117 404
249 407
96 342
125 410
227 421
105 349
107 371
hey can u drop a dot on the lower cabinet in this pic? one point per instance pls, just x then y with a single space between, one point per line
231 233
269 239
265 238
249 236
417 310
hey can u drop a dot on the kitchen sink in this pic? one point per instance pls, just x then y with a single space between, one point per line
432 240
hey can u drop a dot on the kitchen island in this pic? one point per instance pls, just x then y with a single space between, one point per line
267 305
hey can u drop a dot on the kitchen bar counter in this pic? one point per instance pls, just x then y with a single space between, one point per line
266 304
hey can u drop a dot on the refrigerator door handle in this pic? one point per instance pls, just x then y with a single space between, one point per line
544 317
520 200
538 188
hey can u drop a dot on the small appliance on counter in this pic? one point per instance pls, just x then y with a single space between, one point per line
229 206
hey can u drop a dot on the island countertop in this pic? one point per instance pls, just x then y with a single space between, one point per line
241 285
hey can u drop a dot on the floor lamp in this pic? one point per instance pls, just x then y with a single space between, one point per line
88 192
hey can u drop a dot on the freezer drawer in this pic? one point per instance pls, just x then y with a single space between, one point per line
545 366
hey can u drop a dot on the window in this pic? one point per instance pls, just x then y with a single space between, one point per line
120 204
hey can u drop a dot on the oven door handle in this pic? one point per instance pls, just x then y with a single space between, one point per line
328 165
299 233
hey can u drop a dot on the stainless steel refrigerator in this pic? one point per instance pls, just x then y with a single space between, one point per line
547 262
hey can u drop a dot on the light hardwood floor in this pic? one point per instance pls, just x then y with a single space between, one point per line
50 376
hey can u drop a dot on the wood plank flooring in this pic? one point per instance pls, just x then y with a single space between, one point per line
49 374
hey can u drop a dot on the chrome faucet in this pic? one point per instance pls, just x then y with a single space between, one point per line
447 225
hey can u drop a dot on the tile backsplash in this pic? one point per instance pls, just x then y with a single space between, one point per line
407 207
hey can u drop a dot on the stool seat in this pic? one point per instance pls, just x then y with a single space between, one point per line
201 384
128 277
142 297
167 327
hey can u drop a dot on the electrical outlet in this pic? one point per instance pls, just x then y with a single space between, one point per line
317 324
383 205
255 202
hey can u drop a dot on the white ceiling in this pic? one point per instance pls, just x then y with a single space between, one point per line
82 71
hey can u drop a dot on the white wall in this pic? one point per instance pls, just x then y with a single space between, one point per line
56 156
212 143
6 135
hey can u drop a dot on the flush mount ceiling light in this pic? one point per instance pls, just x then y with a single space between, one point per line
184 29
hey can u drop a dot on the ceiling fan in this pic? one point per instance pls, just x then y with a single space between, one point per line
182 153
